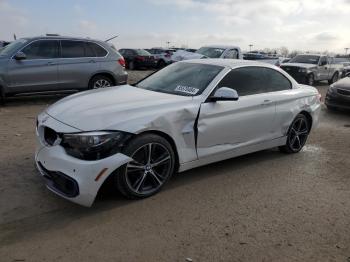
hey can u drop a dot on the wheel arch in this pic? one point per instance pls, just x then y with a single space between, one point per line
308 117
171 142
106 74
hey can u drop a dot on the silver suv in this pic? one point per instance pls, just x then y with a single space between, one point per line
55 64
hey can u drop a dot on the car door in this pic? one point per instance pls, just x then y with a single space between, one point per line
227 125
38 71
280 89
323 68
77 64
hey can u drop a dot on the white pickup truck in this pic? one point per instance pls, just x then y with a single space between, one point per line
308 68
212 51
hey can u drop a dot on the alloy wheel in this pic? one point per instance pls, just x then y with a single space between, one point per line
150 168
298 134
102 83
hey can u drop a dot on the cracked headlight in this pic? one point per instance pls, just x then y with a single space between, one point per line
94 145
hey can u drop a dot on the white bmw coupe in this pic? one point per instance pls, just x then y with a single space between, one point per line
186 115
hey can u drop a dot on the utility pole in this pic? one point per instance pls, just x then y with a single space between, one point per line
250 47
346 50
168 43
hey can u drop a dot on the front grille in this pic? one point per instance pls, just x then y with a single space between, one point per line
60 182
50 136
343 92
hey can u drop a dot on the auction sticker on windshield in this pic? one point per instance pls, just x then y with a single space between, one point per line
187 89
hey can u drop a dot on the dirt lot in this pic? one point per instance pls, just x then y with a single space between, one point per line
265 206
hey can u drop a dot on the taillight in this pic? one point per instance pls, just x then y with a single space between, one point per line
121 61
319 97
141 58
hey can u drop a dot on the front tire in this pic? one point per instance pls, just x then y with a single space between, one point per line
152 166
297 135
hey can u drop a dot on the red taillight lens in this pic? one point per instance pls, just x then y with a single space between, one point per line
319 97
121 61
140 58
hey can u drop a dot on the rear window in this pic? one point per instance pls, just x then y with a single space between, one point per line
99 51
142 52
76 49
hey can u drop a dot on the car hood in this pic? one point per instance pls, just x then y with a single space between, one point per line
301 65
122 108
343 83
185 55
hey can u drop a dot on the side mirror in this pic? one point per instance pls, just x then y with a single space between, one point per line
323 63
20 56
224 94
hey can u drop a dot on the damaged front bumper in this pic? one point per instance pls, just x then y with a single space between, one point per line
74 179
71 178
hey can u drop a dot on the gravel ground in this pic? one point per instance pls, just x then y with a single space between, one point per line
265 206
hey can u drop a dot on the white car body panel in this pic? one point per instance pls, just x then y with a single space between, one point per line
250 124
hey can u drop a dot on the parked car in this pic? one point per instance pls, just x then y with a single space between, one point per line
213 51
163 56
186 115
42 64
138 58
338 94
310 68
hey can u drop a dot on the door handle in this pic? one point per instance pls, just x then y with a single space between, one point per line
51 63
266 102
92 61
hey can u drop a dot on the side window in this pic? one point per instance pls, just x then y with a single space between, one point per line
42 49
275 81
75 49
245 80
89 50
231 54
99 51
323 60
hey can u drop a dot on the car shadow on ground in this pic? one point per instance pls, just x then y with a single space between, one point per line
109 199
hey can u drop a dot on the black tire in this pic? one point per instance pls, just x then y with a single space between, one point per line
100 81
145 176
2 96
131 65
310 79
161 64
297 135
334 79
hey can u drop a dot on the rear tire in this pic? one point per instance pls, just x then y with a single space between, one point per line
152 166
2 96
297 135
100 81
334 79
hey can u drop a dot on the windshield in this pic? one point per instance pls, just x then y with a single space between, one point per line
10 48
210 52
305 59
184 79
142 52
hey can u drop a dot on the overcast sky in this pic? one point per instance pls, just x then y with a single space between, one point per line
297 24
